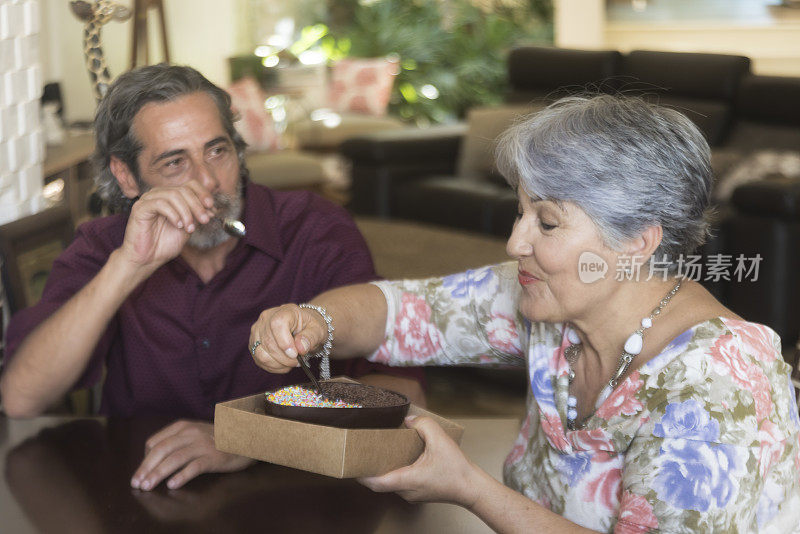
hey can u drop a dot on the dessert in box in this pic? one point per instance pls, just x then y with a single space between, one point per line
241 426
342 404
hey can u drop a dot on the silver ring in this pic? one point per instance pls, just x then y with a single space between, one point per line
254 347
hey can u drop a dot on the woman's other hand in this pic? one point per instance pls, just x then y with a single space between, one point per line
281 333
441 474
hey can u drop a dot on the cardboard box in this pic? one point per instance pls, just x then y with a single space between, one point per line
241 427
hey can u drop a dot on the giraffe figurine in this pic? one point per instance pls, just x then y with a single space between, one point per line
95 15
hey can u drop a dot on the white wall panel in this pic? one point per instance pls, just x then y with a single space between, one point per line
21 152
31 20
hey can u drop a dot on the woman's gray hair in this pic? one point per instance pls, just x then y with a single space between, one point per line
627 163
113 123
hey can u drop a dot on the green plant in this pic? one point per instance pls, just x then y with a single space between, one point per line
458 47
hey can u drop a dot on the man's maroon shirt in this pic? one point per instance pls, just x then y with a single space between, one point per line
177 346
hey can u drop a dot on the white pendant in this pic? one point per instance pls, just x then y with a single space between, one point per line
606 393
647 322
634 344
573 337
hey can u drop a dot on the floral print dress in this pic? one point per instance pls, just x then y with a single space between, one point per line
703 437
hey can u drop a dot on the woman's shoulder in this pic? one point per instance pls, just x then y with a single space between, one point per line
729 368
734 342
756 339
723 338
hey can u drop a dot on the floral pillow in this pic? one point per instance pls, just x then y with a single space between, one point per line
362 85
255 123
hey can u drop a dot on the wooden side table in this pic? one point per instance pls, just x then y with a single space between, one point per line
29 245
70 162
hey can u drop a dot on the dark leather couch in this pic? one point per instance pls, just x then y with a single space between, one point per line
413 175
416 174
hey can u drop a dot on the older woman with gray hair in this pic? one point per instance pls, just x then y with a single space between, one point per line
651 407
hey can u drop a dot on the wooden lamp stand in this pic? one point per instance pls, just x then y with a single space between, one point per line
139 43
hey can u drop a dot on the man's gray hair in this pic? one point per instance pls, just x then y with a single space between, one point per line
627 163
113 123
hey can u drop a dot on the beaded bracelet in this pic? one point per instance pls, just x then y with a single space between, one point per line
325 351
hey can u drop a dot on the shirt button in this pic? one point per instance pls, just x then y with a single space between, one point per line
205 343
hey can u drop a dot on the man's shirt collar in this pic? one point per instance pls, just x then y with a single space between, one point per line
261 221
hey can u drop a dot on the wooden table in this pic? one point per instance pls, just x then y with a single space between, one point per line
73 475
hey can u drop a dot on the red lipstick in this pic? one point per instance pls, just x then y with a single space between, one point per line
525 278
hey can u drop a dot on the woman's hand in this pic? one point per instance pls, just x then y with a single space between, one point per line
284 332
441 474
188 448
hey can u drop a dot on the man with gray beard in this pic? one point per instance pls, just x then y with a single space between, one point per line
159 296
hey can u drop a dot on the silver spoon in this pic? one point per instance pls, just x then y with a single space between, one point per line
310 374
234 227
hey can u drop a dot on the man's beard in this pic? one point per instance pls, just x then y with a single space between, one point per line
212 234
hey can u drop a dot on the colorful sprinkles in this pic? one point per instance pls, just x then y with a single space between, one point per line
297 396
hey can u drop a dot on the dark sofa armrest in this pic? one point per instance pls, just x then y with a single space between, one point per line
381 161
766 223
774 197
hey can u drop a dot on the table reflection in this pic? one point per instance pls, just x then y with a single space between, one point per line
76 477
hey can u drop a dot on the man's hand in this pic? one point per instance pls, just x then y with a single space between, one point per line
162 220
441 474
188 448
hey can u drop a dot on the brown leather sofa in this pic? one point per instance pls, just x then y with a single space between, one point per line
420 175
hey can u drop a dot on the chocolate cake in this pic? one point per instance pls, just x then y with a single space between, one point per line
379 408
366 396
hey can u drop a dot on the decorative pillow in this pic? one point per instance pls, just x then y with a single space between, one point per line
362 85
476 158
255 124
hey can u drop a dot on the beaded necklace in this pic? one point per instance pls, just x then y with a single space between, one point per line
633 346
